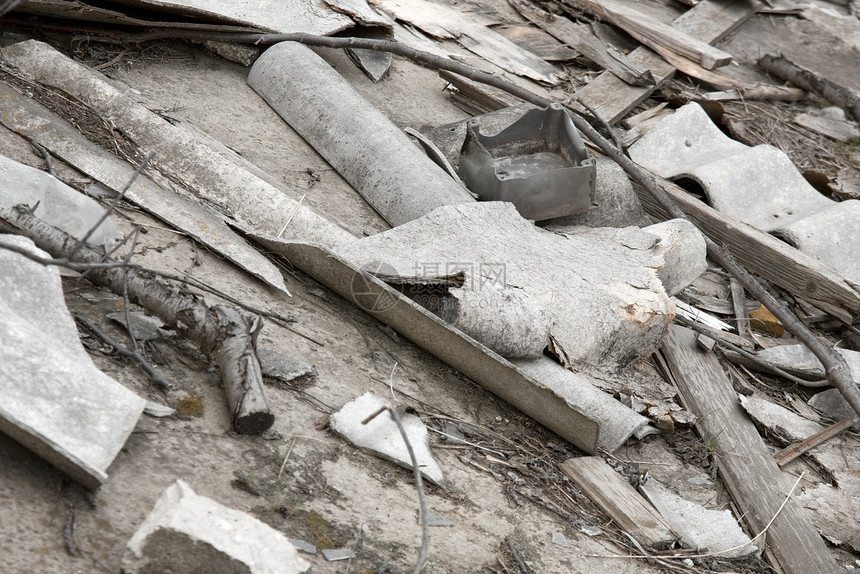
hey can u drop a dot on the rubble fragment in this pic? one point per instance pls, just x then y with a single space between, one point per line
53 399
186 532
382 436
699 527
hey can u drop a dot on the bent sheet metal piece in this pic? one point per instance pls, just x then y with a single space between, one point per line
538 163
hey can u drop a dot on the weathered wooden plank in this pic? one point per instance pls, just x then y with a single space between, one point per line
444 22
708 21
655 34
579 37
475 98
748 470
618 499
767 256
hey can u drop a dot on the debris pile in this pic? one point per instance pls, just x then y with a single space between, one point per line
614 304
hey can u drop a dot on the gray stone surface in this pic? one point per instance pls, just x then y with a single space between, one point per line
186 532
53 399
382 436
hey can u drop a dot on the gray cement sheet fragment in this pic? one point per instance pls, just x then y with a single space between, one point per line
492 371
37 123
58 204
186 532
684 253
832 507
699 527
323 17
833 404
383 438
282 367
392 174
143 327
798 359
618 422
592 295
204 172
560 539
830 121
757 185
53 399
335 554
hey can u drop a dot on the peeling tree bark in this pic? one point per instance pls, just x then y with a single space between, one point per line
225 335
787 70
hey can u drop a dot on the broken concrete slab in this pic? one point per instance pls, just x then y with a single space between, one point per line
699 528
382 437
830 121
186 532
54 202
591 295
757 185
53 399
392 174
833 404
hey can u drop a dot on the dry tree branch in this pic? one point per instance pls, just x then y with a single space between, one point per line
222 333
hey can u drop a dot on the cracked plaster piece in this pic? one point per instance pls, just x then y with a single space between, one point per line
699 527
186 532
592 295
757 185
382 436
53 399
58 204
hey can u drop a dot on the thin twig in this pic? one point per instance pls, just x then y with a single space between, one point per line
286 458
293 214
419 485
154 375
111 207
616 139
126 302
522 565
391 383
751 356
46 155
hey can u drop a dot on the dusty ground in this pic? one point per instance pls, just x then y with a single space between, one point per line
329 493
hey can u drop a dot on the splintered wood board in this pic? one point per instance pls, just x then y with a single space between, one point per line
708 21
653 33
747 468
618 499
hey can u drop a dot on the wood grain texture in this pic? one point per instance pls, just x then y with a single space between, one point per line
748 470
709 21
655 34
618 499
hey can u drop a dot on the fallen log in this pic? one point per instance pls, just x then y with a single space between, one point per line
225 335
